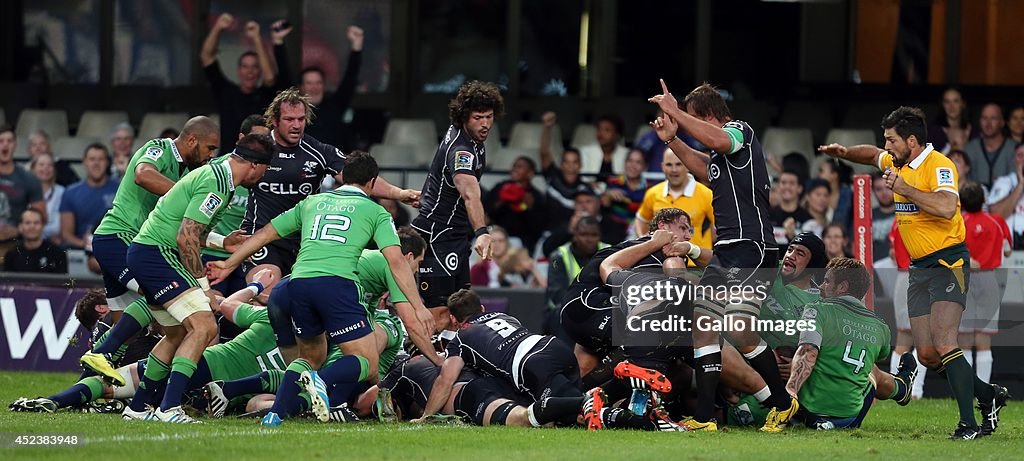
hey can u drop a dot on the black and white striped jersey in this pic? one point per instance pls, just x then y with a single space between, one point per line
740 184
440 201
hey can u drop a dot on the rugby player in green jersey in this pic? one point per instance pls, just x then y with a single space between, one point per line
324 294
831 373
165 259
150 174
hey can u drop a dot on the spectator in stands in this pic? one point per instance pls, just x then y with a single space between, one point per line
678 190
788 216
794 162
954 116
398 212
39 143
1007 199
962 163
624 193
840 202
250 95
122 138
988 241
42 167
33 253
565 263
837 241
169 133
564 181
485 272
882 216
816 205
992 153
607 155
516 205
86 201
329 108
18 188
517 270
1016 125
586 203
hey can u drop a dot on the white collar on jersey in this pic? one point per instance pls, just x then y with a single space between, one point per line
691 187
231 175
174 150
920 158
351 188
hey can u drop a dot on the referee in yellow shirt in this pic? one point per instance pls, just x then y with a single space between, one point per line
924 183
679 190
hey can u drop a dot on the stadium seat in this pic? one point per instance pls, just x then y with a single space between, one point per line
493 142
394 155
71 147
419 134
155 122
99 123
53 122
585 133
506 157
527 135
781 141
814 115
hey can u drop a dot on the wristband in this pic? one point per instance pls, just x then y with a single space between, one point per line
694 252
204 283
481 231
215 241
255 287
669 140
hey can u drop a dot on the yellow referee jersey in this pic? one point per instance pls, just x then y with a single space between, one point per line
924 233
695 201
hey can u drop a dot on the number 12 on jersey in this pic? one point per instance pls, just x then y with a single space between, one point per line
324 225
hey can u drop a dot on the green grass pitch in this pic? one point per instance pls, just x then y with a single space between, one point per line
915 432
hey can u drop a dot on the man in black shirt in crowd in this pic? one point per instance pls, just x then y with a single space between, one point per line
451 205
33 253
250 95
329 108
746 247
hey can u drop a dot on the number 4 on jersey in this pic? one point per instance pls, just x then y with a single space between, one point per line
857 363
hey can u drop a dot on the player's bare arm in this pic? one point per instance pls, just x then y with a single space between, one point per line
939 203
150 178
469 189
695 161
420 328
707 133
684 248
802 367
208 54
220 269
628 257
191 235
229 305
864 154
252 31
442 387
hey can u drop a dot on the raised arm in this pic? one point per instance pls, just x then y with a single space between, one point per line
208 54
548 121
695 161
708 134
252 30
347 86
278 32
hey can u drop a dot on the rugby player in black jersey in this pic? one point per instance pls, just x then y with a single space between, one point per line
450 206
738 177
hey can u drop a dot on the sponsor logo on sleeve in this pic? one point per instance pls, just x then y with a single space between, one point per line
463 160
210 205
154 152
944 177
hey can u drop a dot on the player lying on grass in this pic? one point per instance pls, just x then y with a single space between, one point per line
831 374
245 355
387 333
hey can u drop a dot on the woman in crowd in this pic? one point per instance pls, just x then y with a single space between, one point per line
42 167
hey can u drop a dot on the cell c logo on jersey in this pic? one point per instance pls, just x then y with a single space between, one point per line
713 172
451 261
262 253
306 188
